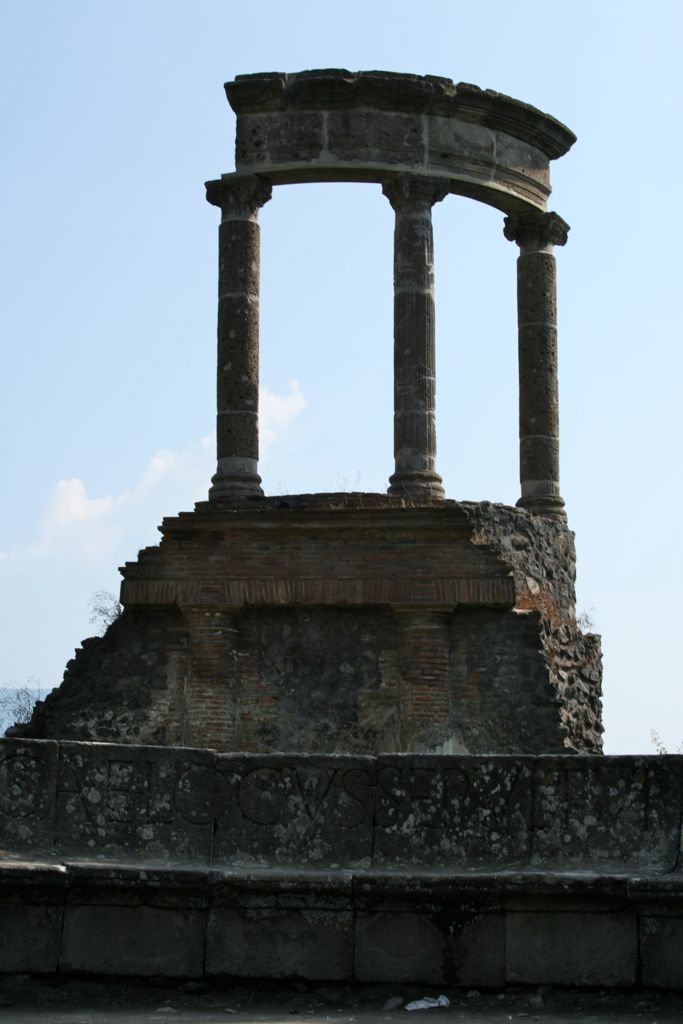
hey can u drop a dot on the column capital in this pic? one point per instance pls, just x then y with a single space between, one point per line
406 189
536 232
239 196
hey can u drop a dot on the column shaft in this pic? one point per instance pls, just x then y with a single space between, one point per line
414 338
539 441
238 335
539 431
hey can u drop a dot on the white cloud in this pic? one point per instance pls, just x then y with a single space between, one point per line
69 503
276 412
96 529
81 539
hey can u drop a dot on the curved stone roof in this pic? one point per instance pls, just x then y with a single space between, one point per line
338 89
338 125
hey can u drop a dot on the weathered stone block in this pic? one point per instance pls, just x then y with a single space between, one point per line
579 949
427 891
306 943
521 158
374 136
452 811
447 945
490 692
322 89
29 938
149 804
491 146
477 950
661 951
32 882
265 139
328 88
28 776
257 92
605 812
144 802
458 145
109 883
399 947
294 810
133 940
283 889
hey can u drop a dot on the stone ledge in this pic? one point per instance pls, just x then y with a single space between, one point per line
352 883
487 929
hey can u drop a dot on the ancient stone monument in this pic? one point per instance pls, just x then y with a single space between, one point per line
310 702
362 623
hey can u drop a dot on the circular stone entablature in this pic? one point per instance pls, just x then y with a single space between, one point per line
338 125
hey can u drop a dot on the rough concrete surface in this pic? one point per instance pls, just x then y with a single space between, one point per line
76 1002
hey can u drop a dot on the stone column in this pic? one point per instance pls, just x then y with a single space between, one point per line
539 441
412 198
239 198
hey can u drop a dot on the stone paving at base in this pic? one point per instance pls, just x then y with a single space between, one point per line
92 1002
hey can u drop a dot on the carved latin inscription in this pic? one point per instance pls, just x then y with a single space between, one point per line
102 800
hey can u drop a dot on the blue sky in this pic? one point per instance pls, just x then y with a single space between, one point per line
113 116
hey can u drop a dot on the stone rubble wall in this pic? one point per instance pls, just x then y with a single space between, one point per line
542 556
120 687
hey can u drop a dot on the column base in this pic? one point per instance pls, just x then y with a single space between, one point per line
234 485
416 484
236 477
544 505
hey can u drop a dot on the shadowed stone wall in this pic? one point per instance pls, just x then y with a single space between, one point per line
467 871
68 800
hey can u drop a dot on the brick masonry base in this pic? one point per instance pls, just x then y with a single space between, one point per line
354 623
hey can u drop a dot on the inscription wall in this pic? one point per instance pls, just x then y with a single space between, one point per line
103 801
